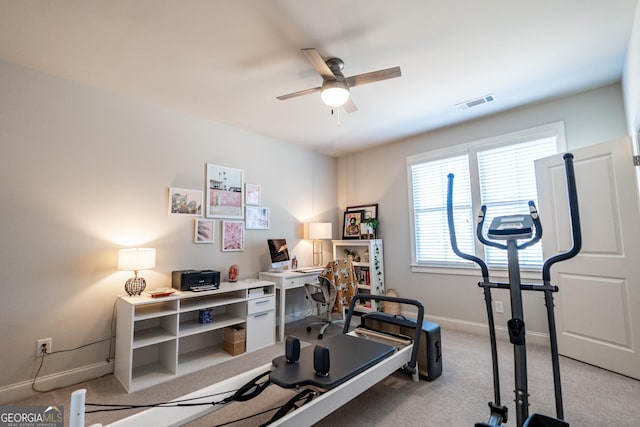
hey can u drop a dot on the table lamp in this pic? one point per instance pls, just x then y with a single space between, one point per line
134 260
318 231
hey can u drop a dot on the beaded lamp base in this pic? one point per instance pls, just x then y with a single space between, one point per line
135 286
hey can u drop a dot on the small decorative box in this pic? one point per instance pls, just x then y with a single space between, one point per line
205 315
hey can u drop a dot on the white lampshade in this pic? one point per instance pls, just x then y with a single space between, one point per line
136 259
318 230
334 93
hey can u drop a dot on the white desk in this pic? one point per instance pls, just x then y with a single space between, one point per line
287 279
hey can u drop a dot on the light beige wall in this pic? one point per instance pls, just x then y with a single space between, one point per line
379 175
84 173
631 79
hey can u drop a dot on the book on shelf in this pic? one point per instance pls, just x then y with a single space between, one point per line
363 276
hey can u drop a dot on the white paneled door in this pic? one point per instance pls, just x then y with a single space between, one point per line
598 305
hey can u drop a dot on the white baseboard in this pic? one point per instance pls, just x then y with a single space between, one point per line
502 333
477 328
23 390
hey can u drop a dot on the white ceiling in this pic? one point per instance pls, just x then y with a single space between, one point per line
227 60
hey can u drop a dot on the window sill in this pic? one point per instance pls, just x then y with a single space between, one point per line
501 273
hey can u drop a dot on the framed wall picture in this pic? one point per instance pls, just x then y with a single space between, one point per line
253 194
203 231
185 202
352 220
257 218
232 236
225 192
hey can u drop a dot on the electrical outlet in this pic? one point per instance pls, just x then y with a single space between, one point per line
499 307
44 342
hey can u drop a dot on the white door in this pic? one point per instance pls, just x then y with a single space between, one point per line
598 305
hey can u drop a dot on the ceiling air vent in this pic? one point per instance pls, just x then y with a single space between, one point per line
475 102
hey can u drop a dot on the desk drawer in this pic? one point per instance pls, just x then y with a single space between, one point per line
258 305
291 283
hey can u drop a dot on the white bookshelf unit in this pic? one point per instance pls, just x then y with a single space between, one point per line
369 269
158 339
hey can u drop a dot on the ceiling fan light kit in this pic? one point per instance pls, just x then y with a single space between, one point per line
335 87
335 93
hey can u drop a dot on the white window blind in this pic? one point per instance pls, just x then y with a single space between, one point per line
430 182
507 183
498 172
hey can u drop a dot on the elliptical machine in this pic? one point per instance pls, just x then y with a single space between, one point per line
512 228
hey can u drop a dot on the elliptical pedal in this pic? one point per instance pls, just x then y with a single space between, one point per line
538 420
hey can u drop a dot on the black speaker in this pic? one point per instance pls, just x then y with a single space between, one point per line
321 360
292 349
430 351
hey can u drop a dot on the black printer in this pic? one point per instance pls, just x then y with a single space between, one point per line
195 280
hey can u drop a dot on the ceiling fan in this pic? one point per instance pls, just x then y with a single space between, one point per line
335 86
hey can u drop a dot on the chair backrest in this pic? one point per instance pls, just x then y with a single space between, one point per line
341 274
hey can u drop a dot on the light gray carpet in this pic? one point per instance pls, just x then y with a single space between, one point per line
593 397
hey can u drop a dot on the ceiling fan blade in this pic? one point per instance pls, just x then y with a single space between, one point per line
374 76
299 93
318 63
349 106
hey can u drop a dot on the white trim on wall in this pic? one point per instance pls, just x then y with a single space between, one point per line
23 390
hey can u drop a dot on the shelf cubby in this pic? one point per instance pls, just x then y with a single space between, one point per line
200 351
154 330
220 320
152 310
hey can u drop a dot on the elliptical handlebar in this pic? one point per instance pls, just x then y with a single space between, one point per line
452 233
574 214
533 211
481 217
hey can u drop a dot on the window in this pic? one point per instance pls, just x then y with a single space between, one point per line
497 172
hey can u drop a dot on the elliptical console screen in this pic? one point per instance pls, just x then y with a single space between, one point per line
511 226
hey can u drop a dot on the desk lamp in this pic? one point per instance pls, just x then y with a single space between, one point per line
134 260
318 231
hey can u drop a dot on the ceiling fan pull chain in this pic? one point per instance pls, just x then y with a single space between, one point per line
333 111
